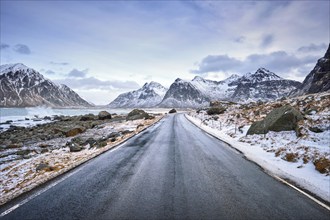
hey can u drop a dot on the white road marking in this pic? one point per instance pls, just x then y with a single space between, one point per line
301 191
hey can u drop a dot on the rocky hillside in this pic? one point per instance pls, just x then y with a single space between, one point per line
148 96
318 80
21 86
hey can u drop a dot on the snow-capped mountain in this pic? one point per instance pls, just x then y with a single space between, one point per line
21 86
148 96
183 94
318 80
261 85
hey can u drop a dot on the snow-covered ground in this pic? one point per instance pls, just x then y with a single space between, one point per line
19 176
281 153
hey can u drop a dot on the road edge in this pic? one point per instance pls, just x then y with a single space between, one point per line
291 184
61 175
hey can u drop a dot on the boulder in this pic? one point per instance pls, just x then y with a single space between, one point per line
103 115
172 111
137 114
74 147
74 131
215 103
216 110
88 117
284 118
45 167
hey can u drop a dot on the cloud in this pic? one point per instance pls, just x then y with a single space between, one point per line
278 61
77 73
94 83
4 46
50 72
59 63
215 63
312 47
240 39
22 49
267 40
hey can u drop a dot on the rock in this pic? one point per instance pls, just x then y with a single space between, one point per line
284 118
137 114
91 141
45 167
88 117
15 145
43 145
315 129
74 147
103 115
311 111
47 118
74 131
102 144
23 152
44 150
113 135
172 111
215 103
140 126
126 132
216 110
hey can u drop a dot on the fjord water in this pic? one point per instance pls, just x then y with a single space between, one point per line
35 115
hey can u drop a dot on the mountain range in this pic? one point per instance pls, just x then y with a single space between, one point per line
21 86
261 85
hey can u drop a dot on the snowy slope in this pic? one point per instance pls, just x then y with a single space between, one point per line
148 96
21 86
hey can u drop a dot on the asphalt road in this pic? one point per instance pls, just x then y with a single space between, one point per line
172 170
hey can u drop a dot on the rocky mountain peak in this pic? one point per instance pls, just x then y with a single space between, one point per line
198 78
6 68
261 75
21 86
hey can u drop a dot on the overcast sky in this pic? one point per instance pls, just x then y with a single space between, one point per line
103 48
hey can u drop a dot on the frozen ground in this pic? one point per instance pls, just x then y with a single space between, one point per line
280 153
22 175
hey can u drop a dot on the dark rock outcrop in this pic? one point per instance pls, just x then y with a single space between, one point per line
103 115
318 80
173 110
137 114
284 118
216 110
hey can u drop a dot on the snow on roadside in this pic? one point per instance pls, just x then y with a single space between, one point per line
262 150
19 176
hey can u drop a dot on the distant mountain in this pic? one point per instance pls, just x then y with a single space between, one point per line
148 96
21 86
183 94
318 80
261 85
